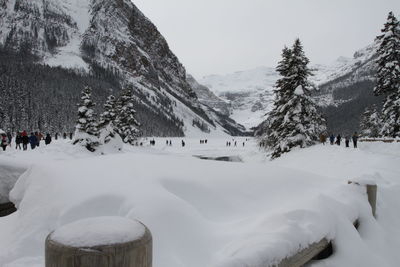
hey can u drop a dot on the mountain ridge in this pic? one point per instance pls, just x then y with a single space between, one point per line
113 37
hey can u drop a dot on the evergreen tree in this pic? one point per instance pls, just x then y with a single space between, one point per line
294 120
370 124
108 120
127 125
86 131
388 76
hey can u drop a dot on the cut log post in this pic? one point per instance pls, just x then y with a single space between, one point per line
86 244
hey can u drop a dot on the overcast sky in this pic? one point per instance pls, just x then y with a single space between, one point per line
223 36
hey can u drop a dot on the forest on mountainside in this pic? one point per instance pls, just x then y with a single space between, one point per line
36 97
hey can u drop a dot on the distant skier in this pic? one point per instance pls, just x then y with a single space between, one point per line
183 143
65 135
355 139
56 136
47 141
70 136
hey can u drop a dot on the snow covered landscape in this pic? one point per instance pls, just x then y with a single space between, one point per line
115 153
252 212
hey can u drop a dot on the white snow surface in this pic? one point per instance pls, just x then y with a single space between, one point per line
99 231
211 213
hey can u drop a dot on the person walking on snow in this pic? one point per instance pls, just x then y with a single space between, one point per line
338 139
4 142
33 141
47 141
322 138
18 141
25 140
332 139
355 139
347 141
9 136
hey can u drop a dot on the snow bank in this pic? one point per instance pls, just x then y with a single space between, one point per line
10 171
208 213
99 231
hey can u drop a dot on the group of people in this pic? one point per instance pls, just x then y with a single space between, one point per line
338 139
23 139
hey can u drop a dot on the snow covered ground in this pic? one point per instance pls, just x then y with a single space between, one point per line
252 212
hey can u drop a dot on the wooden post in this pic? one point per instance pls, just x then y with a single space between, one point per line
135 253
304 256
7 209
372 192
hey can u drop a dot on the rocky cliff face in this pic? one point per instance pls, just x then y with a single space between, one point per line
115 37
36 24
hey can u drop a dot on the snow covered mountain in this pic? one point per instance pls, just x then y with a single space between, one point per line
345 88
249 93
114 38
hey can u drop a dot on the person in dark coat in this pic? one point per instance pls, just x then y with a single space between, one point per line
347 141
47 141
33 141
25 140
332 139
338 139
355 139
56 136
9 136
18 141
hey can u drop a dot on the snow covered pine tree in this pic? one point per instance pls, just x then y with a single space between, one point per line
294 120
127 126
370 124
86 132
107 126
388 76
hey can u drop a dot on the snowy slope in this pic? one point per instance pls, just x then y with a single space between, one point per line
208 213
